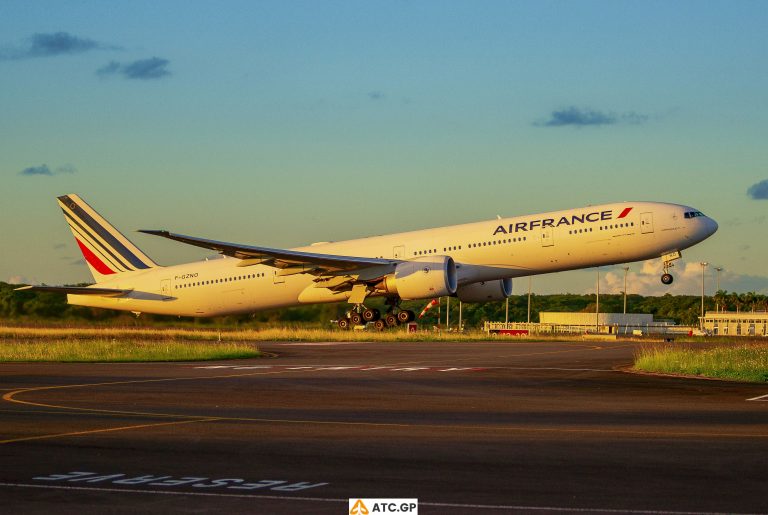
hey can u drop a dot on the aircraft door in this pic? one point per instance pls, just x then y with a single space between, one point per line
398 252
646 223
277 279
547 238
165 288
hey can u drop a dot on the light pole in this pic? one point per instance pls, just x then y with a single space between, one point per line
703 266
597 303
626 269
718 269
529 299
506 314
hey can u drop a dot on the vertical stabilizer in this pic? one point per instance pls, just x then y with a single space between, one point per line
104 248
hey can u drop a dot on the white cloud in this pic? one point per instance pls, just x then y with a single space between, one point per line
647 280
19 279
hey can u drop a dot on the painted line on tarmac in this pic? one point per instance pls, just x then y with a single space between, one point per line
393 368
171 492
105 430
763 398
569 509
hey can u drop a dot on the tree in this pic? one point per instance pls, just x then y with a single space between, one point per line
762 302
750 298
737 300
721 300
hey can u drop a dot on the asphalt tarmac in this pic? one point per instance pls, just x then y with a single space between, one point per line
501 427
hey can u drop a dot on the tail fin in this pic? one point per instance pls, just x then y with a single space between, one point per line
104 248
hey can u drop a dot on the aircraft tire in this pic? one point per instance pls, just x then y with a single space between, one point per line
379 325
343 323
355 318
667 279
371 315
390 320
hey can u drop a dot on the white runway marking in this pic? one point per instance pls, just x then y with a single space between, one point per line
355 368
395 368
763 398
473 507
169 492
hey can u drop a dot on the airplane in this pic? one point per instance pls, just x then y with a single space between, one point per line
475 262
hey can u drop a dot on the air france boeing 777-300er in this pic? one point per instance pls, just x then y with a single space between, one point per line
474 262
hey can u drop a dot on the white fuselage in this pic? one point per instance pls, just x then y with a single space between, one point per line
483 251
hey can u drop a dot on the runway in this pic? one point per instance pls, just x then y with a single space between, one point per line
498 427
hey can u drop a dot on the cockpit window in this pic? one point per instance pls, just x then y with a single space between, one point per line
693 214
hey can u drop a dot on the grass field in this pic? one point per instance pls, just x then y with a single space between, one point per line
123 350
738 362
291 334
72 344
64 343
122 344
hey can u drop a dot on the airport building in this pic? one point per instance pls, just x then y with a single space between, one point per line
730 323
555 322
612 323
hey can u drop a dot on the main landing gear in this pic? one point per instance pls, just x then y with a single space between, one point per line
360 315
666 277
394 318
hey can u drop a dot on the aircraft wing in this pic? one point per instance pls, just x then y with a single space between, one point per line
77 290
311 262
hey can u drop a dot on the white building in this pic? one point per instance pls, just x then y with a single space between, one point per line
745 323
576 323
614 323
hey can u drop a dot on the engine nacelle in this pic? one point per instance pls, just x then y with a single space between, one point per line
485 291
422 278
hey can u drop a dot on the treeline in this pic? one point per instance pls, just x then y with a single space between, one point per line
29 307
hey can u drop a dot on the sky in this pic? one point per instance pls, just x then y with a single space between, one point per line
283 123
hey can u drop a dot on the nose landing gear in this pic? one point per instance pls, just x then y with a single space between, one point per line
668 259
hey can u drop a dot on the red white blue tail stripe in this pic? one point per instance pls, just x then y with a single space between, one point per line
104 248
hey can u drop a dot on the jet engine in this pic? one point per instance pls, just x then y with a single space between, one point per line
422 278
485 291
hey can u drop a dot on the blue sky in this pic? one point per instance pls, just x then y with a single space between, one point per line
284 123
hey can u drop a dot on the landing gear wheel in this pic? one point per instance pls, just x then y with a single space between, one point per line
390 320
371 315
379 324
343 323
355 318
406 316
667 263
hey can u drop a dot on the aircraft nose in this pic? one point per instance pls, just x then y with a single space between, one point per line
711 227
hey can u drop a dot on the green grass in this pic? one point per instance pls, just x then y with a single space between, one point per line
285 334
104 350
738 363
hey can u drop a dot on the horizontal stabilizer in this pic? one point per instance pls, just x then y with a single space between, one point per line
78 290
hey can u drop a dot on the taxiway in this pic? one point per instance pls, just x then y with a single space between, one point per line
498 427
